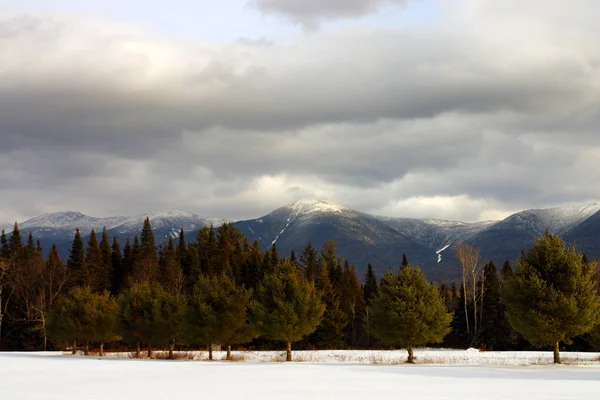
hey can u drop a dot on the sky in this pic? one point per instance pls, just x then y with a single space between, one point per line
454 109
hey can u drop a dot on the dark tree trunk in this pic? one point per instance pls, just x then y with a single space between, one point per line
289 352
411 355
149 351
210 353
171 348
101 349
228 352
74 347
137 350
556 353
86 351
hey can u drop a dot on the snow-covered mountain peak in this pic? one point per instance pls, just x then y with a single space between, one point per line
310 206
559 219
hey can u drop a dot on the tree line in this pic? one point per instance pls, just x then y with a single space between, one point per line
221 289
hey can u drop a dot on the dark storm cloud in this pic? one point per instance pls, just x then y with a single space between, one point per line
107 119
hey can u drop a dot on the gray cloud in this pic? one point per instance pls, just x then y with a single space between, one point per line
450 122
310 12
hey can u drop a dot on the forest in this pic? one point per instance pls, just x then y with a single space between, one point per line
218 288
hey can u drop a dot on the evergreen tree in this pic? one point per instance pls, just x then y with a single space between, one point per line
15 243
404 261
408 311
506 271
117 266
145 263
288 306
370 287
293 257
78 269
274 255
551 296
170 269
330 332
38 247
93 258
495 330
150 316
4 246
217 313
106 272
31 248
84 315
309 259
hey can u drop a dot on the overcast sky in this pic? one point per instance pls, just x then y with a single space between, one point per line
455 109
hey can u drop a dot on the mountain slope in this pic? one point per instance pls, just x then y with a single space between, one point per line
360 238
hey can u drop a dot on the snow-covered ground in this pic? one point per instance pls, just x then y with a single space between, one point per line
57 376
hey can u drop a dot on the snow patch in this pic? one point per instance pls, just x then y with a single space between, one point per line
439 253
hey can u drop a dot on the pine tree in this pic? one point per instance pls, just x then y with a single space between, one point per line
274 255
117 266
84 315
15 243
293 257
38 247
506 271
217 313
5 247
330 332
31 248
408 311
370 287
288 307
309 259
150 316
171 275
145 263
106 273
404 261
76 264
93 257
551 296
495 330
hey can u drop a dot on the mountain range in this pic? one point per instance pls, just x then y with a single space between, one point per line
361 238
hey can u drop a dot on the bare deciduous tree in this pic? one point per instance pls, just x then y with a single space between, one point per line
472 268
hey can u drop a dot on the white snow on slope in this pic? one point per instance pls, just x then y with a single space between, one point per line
31 376
439 253
309 206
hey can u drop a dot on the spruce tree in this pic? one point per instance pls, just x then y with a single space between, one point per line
15 243
76 264
495 330
551 296
288 307
408 311
404 261
117 267
171 275
370 287
93 257
4 246
217 313
274 255
31 248
506 271
309 259
107 266
330 332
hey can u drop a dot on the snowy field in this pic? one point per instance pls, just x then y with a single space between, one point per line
56 376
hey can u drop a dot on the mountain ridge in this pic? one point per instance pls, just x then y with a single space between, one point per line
361 237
